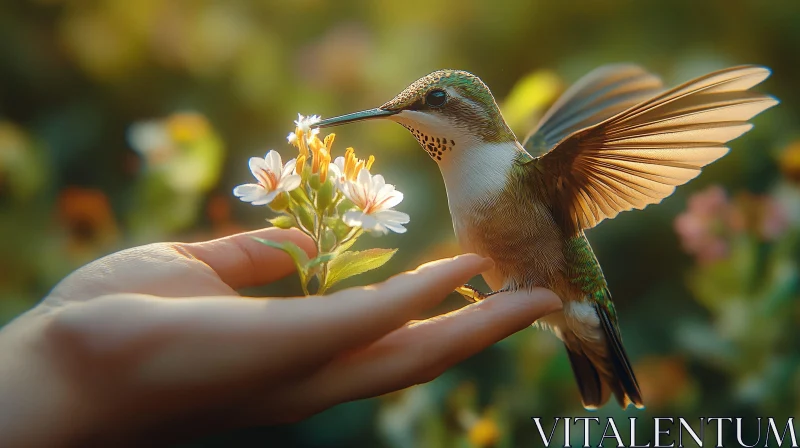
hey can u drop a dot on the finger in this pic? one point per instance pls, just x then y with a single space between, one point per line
241 261
368 313
227 341
421 351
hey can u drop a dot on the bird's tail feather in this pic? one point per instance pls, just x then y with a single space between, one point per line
600 374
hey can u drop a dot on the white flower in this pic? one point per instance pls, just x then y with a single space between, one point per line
305 123
292 138
273 178
337 167
374 199
151 140
348 167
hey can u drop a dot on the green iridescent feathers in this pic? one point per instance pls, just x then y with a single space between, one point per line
471 105
584 272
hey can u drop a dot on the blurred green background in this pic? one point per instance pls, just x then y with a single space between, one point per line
128 122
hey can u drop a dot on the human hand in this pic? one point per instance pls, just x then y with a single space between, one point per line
154 343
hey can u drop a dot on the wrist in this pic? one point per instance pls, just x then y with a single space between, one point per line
37 404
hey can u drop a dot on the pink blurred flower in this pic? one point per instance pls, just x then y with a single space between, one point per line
767 217
774 221
712 220
708 223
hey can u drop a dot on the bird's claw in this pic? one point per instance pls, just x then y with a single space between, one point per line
473 295
470 293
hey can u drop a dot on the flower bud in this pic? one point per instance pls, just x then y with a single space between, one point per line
280 202
314 181
283 222
325 195
305 217
299 195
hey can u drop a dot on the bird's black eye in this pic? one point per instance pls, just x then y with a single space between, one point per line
436 98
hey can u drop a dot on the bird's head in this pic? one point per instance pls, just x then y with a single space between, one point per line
447 111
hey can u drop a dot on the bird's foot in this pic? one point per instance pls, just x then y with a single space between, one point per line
473 295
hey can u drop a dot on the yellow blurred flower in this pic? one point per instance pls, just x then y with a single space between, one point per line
485 432
182 147
186 127
790 161
23 171
530 97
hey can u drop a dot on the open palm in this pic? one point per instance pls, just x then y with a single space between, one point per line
154 341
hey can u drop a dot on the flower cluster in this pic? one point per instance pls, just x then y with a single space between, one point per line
333 202
713 221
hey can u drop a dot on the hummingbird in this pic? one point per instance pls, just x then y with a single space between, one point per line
616 140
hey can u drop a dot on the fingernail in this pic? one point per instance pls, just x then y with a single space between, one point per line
485 263
545 298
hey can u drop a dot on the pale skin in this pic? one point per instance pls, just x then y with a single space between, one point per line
154 345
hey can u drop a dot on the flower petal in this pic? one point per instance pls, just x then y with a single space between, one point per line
396 228
337 168
359 219
289 183
392 216
364 177
273 161
288 168
390 201
247 190
267 198
378 183
257 164
250 193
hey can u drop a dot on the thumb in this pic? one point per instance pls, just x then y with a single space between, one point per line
240 261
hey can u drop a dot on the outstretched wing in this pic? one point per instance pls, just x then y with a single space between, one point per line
637 157
597 96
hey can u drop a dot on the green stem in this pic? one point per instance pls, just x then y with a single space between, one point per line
299 224
355 232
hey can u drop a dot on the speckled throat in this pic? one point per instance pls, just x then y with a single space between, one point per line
436 147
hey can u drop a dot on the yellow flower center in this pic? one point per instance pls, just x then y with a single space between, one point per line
321 155
352 164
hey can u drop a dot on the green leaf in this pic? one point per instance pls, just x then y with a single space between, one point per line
349 264
347 244
339 228
283 222
298 255
328 240
324 258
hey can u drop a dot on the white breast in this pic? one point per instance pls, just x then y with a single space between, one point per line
477 174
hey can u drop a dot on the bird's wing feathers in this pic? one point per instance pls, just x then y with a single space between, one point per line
599 95
638 156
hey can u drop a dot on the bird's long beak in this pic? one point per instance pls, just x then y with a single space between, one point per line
355 116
